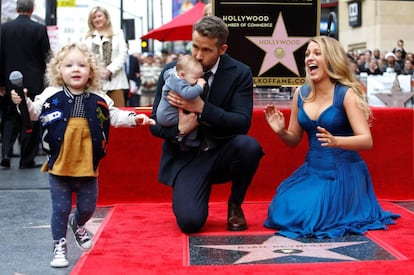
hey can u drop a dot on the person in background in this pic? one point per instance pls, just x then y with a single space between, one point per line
373 68
398 58
390 65
208 10
352 63
186 79
75 116
25 48
360 59
109 45
150 73
331 194
410 56
132 68
222 117
363 67
408 68
376 54
165 55
400 46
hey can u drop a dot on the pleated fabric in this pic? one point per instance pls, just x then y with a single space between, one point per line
331 194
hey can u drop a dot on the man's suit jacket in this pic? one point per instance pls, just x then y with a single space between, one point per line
227 113
133 69
25 47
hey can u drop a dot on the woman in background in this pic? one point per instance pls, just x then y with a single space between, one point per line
109 45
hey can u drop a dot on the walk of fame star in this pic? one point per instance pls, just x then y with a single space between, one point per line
277 246
279 47
396 98
265 249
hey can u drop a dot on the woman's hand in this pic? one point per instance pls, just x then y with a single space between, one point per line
274 118
326 138
106 74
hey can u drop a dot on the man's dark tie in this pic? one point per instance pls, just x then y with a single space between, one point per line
206 90
207 143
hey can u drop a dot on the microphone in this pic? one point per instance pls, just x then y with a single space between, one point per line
16 79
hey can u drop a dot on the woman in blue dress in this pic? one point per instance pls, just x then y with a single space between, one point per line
331 193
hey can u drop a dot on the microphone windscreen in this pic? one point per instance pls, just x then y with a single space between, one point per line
16 78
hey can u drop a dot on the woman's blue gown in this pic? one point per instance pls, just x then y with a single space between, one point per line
331 194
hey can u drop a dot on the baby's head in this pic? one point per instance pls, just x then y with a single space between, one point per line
54 75
189 68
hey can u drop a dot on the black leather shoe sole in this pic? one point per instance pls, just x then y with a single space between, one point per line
235 218
236 228
5 163
36 165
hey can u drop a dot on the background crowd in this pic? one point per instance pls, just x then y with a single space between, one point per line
372 62
376 62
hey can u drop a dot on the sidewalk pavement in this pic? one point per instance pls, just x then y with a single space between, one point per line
25 236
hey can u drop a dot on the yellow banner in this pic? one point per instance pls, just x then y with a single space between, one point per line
66 3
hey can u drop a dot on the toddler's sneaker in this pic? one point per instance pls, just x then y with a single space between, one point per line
59 254
82 237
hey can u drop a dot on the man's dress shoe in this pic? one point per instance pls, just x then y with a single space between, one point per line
5 163
235 218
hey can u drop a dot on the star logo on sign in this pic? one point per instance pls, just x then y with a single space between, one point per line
278 246
279 47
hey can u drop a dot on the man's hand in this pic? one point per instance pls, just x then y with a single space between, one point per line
187 122
193 106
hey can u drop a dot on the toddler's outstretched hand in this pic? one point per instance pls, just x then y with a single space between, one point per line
143 119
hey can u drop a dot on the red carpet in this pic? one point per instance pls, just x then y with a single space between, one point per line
129 172
144 239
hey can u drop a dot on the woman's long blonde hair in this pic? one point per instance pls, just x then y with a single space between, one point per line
54 74
337 68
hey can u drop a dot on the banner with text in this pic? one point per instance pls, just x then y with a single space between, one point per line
271 37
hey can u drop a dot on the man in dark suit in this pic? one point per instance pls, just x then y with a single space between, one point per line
132 69
25 47
223 117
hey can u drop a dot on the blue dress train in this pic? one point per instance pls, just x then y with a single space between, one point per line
331 193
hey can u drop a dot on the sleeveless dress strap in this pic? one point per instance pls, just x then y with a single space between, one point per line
339 94
304 91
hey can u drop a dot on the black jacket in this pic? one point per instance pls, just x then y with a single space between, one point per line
227 113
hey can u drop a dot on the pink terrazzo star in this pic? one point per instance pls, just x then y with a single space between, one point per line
279 47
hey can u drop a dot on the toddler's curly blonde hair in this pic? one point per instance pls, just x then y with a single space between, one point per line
54 75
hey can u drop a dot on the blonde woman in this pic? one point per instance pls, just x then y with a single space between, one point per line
110 46
331 194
